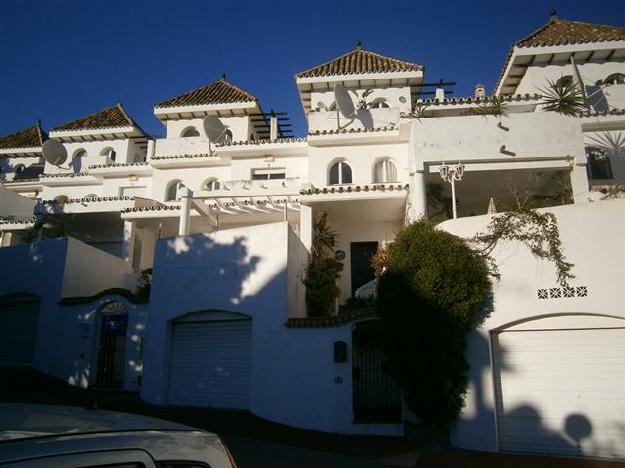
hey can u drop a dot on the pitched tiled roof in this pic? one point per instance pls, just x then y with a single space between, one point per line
111 117
32 137
359 61
217 92
560 32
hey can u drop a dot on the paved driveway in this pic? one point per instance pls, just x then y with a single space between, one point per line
257 454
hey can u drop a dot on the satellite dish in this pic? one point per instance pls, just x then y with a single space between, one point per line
54 152
344 102
215 130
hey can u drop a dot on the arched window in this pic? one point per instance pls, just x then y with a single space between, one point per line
211 185
109 153
598 166
384 171
77 159
172 191
19 170
340 173
227 136
190 132
614 79
564 81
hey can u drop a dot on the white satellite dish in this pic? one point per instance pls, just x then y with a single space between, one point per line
344 102
54 152
215 130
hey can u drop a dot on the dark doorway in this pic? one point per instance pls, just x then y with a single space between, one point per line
376 396
362 271
112 351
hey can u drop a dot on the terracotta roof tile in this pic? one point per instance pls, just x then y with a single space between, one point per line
217 92
111 117
32 137
560 32
359 61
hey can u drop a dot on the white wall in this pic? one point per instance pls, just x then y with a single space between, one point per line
537 77
527 135
89 270
392 96
361 158
239 126
12 204
592 236
247 271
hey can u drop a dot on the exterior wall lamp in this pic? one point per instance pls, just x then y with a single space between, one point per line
452 174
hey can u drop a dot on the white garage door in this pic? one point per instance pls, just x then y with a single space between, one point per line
19 318
561 391
210 364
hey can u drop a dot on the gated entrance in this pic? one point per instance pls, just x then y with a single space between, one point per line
112 348
376 396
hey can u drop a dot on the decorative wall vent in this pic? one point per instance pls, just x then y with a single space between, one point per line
565 292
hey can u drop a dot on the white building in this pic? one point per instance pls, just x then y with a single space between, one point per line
226 227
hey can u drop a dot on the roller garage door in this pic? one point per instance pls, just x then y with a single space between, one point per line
19 318
561 391
210 364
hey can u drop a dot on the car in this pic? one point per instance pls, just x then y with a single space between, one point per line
65 436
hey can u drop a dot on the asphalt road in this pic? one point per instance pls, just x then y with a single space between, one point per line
250 453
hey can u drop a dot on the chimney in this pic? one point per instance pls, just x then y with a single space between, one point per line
480 91
553 15
273 128
440 93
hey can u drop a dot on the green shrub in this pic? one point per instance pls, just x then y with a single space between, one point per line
432 293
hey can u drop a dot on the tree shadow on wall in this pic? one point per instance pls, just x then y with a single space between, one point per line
207 261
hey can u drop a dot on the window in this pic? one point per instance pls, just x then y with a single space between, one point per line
211 185
565 81
384 171
109 153
269 173
172 192
227 136
190 132
614 79
340 173
77 159
598 163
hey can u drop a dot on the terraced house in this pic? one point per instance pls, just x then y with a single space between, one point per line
222 212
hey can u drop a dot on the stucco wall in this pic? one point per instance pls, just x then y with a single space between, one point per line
477 138
537 77
89 270
13 204
592 235
293 374
361 158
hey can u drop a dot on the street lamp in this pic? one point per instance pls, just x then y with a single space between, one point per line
452 174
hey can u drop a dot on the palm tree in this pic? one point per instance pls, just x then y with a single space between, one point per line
563 96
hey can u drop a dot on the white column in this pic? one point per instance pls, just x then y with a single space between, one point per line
306 225
579 183
129 240
418 197
185 211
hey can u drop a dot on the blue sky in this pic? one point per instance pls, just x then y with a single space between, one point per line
61 60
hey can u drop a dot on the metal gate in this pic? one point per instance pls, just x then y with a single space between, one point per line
112 351
376 396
